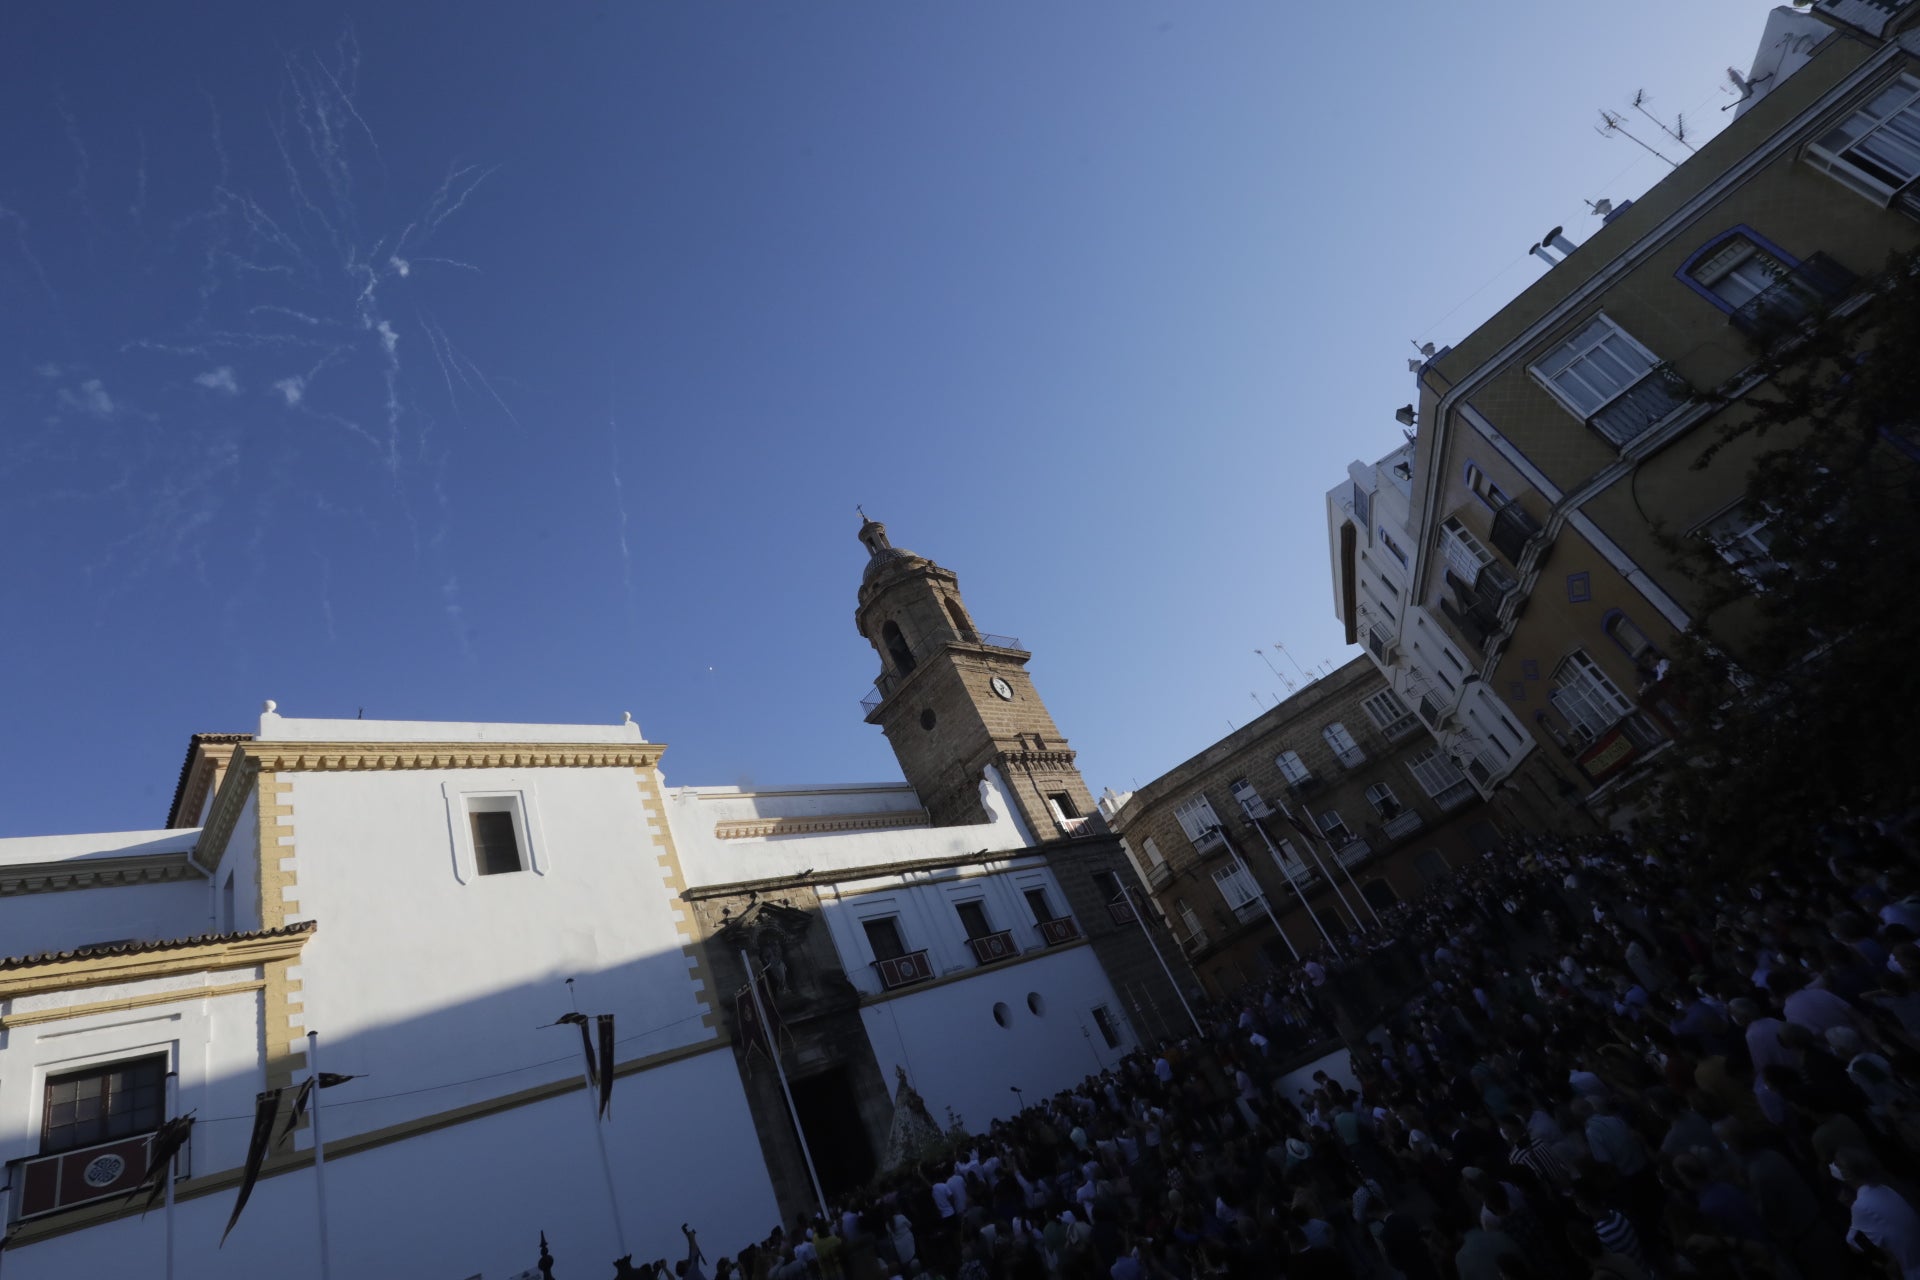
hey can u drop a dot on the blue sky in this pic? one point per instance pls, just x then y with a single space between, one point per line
526 362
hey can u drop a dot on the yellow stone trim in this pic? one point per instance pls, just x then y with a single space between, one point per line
339 1148
93 873
11 1020
750 828
98 971
1012 962
284 1037
705 990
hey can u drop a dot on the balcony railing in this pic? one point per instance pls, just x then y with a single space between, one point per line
1380 644
1194 942
1351 757
1002 642
1513 528
1159 875
1641 407
992 947
1432 710
1063 929
1210 842
1073 826
1402 824
1796 295
1120 911
55 1183
1455 796
1353 851
904 970
873 699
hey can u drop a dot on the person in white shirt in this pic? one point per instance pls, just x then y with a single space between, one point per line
957 1189
1881 1215
943 1199
1163 1069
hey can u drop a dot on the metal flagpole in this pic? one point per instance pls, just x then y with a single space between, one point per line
319 1150
600 1139
1331 878
1349 875
1173 982
773 1051
1259 893
166 1175
1298 892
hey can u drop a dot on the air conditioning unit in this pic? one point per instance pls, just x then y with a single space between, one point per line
1381 646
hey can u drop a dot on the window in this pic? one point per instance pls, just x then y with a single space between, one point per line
1624 632
973 917
1876 150
1248 799
1386 540
1188 918
1608 381
883 935
1103 1019
1110 885
1152 851
1236 885
1743 536
1738 271
962 627
1484 489
1197 819
1389 714
1042 909
1291 864
1465 555
1439 777
495 824
117 1100
1334 829
1381 797
1345 749
1582 693
1292 768
896 644
1063 805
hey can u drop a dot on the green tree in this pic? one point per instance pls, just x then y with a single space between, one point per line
1820 611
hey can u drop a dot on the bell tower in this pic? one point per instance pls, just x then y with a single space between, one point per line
952 700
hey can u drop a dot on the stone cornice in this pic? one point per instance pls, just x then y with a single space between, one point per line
251 758
874 871
95 873
34 975
1047 759
753 828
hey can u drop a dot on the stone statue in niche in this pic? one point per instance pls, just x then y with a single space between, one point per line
773 957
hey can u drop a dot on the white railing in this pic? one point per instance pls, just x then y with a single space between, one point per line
1404 823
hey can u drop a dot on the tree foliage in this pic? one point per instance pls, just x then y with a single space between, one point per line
1803 665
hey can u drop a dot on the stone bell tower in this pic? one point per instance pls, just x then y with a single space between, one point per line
952 700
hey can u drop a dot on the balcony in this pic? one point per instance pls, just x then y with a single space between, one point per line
1380 645
1159 875
1002 642
1455 796
1195 942
872 700
1210 842
991 948
1513 528
1072 826
1433 710
1778 309
903 970
56 1183
1120 911
1353 851
1059 931
1642 407
1351 757
1305 785
1402 824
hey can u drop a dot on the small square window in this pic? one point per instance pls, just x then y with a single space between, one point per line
496 831
496 844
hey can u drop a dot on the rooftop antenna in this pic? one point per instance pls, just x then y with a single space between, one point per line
1295 661
1269 661
1743 86
1679 131
1612 122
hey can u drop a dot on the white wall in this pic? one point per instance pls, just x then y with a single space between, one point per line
958 1056
474 1198
63 919
423 981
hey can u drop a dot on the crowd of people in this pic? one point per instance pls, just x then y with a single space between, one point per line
1609 1070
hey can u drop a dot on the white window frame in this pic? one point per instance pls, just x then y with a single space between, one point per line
517 796
1377 793
1596 335
1291 864
1345 749
1829 153
1583 694
1434 771
1235 876
1292 767
1326 828
1390 714
1732 536
1249 799
1197 819
1484 488
1464 553
1151 852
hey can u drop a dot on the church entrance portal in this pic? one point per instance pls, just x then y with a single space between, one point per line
830 1117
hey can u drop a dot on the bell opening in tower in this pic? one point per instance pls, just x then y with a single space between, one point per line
903 659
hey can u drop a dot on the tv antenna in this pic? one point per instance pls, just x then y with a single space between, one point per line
1679 131
1612 122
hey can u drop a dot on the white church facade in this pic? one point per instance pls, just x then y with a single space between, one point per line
430 898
